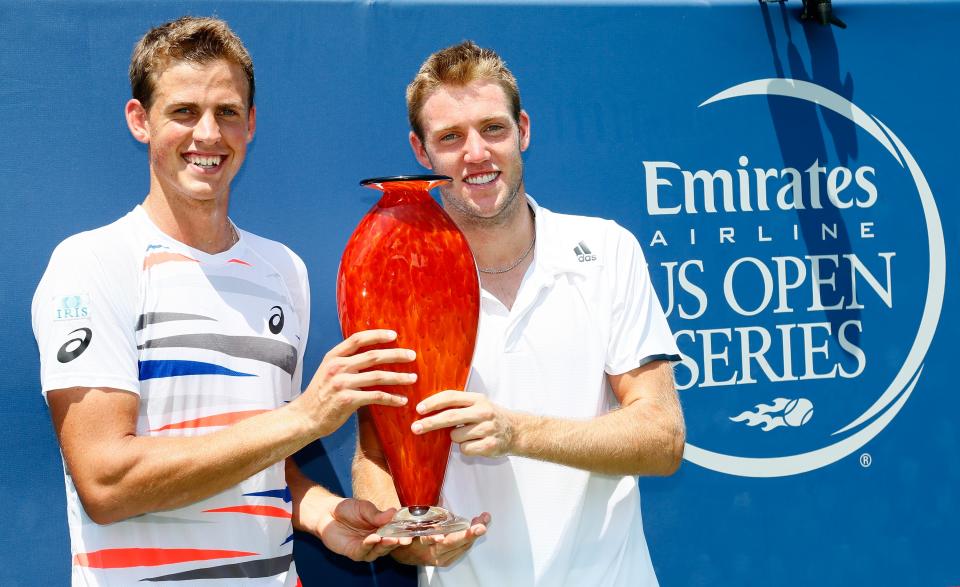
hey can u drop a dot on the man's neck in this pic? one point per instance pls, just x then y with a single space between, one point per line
504 252
202 225
499 245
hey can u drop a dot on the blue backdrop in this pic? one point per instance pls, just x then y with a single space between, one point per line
799 233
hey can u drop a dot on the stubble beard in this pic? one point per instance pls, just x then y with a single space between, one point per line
471 218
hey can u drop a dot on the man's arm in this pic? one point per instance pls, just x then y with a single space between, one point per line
346 526
645 436
119 474
372 480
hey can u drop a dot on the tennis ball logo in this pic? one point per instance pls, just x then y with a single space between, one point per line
798 412
782 412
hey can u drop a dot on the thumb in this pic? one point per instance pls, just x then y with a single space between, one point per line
384 517
373 516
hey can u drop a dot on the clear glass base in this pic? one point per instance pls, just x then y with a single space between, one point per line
423 521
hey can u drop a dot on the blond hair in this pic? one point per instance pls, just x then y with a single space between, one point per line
459 65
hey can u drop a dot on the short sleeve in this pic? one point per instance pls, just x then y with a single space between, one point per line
84 319
639 333
303 311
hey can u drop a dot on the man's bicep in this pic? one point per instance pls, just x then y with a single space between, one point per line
653 380
90 423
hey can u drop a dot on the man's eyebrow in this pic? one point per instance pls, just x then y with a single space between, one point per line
482 121
445 129
175 105
187 104
234 105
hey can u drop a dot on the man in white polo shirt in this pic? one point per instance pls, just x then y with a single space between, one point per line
571 396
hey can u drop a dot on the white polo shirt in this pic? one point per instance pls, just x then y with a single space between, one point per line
585 309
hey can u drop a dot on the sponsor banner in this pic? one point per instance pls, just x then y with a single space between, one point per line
783 273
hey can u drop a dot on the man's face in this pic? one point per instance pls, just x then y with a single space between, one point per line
470 135
198 128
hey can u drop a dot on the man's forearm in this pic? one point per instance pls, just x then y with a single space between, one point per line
644 437
311 501
634 440
141 474
371 476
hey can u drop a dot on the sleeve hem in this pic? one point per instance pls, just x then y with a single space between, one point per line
623 368
91 381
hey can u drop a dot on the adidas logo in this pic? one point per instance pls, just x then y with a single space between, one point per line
583 253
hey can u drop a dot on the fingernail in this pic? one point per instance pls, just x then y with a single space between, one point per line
411 355
403 400
412 377
417 428
420 408
391 334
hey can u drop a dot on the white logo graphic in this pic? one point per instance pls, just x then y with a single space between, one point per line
859 431
782 412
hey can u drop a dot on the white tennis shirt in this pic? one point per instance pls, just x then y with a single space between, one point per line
204 341
585 309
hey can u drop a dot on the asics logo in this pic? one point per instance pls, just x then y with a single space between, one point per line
74 347
276 320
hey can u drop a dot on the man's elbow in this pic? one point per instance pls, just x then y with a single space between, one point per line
671 454
105 497
674 455
102 505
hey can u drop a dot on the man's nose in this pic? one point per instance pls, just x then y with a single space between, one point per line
207 129
475 148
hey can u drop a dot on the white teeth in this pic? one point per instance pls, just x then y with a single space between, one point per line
478 179
207 162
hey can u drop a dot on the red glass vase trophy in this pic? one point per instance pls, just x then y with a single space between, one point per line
408 268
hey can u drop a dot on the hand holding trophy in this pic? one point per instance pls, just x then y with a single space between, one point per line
408 267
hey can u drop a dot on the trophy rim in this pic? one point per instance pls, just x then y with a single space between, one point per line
396 178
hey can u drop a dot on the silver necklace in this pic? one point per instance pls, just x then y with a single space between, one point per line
512 266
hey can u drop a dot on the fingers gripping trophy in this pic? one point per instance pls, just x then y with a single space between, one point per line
408 267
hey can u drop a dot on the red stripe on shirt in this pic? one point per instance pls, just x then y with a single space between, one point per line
163 257
118 558
215 420
256 510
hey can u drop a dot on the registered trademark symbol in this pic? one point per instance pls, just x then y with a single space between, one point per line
865 460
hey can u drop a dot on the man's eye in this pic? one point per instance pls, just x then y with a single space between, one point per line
495 128
228 112
448 137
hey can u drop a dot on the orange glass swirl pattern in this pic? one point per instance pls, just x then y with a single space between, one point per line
408 268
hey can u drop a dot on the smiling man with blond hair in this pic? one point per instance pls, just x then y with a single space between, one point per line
571 395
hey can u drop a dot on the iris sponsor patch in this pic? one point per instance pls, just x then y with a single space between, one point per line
72 307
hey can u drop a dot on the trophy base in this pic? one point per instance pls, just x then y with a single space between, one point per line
423 521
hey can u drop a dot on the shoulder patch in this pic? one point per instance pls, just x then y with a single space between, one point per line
71 307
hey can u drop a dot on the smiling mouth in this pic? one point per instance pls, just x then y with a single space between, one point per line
205 162
481 178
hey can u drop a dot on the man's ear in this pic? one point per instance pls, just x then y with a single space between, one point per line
524 124
419 151
137 120
251 123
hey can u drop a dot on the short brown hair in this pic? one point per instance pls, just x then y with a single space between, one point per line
459 65
194 39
